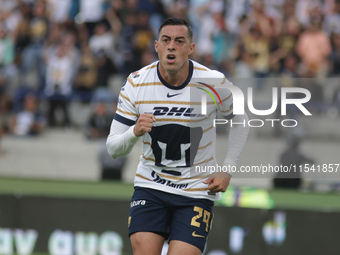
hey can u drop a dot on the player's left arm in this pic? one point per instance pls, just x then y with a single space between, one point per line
237 138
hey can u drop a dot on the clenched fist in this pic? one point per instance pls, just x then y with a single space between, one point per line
218 182
144 124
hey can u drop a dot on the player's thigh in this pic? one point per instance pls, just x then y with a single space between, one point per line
148 213
146 243
182 248
191 222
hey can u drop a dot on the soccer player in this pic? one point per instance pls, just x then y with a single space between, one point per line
158 104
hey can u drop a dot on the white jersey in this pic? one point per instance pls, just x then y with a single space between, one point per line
183 137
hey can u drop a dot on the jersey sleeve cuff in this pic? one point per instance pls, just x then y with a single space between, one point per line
227 164
132 133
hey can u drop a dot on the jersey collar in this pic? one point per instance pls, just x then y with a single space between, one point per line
185 83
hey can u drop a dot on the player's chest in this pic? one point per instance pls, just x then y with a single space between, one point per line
162 101
169 105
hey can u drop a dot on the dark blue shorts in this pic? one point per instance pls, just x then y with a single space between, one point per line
172 216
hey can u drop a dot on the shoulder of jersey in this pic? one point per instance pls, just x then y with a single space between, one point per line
143 75
205 72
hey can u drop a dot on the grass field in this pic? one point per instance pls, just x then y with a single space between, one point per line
41 253
97 190
122 191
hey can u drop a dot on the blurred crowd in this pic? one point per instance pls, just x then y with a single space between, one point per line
72 49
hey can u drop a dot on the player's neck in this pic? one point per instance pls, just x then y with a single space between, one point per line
175 79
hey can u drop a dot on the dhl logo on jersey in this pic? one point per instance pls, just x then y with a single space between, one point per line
175 111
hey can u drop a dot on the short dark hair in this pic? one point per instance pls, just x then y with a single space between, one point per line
176 22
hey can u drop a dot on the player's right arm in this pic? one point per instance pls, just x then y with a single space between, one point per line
127 125
122 137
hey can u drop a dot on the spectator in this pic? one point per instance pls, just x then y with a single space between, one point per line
138 37
289 72
291 157
105 69
29 121
117 7
6 57
130 56
303 10
143 37
273 8
175 9
52 41
244 27
335 56
336 98
130 8
261 21
38 29
224 42
148 57
92 12
286 40
114 17
258 47
314 47
317 12
331 23
214 38
209 61
86 77
21 34
60 10
10 15
156 12
242 65
236 9
5 112
111 169
270 37
59 84
102 39
98 126
196 9
316 104
69 42
6 48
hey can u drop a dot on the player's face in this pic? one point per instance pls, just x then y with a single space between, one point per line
173 47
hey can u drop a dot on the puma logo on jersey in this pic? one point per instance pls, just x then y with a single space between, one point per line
175 111
168 95
196 235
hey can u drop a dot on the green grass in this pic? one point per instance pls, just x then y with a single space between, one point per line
123 191
98 190
42 253
306 201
